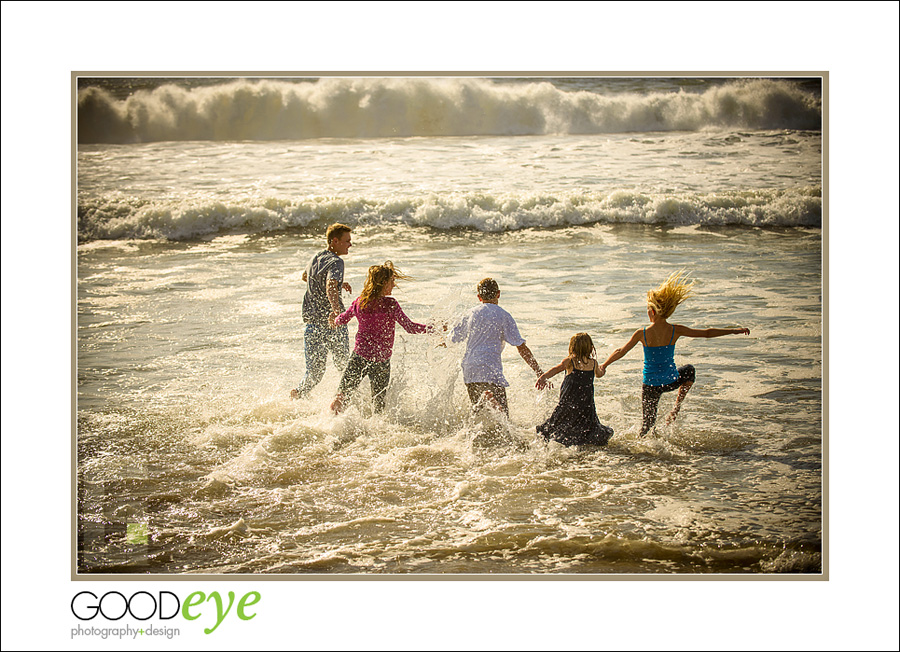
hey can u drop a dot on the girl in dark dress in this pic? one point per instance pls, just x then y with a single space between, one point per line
574 422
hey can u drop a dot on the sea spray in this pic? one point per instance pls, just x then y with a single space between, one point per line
245 110
114 217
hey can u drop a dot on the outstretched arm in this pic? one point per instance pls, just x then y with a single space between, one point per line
622 350
527 356
544 377
346 316
684 331
408 324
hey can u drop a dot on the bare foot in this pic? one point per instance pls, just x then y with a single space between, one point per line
337 405
295 393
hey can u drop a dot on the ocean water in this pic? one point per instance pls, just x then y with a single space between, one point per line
200 201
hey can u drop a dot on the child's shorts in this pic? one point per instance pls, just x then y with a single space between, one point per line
477 390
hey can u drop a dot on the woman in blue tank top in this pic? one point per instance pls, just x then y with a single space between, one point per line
660 373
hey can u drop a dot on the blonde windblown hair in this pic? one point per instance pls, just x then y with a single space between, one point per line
378 277
673 291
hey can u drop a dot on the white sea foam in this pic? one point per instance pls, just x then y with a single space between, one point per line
113 217
244 110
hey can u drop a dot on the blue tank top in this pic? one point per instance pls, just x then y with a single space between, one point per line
659 362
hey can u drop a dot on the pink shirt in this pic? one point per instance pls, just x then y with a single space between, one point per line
375 337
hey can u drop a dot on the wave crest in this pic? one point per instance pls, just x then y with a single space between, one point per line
118 217
403 107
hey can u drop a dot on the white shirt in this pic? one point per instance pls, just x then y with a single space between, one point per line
486 329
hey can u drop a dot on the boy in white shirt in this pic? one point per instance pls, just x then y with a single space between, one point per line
486 329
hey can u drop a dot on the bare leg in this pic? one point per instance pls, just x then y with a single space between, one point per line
682 392
489 399
337 405
482 394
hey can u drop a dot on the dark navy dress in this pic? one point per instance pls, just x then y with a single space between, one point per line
574 422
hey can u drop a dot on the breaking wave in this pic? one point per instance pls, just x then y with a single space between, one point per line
264 110
116 216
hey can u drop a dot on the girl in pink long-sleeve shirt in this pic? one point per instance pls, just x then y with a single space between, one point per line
377 312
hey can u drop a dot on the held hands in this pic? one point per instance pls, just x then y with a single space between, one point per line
438 328
438 325
542 383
